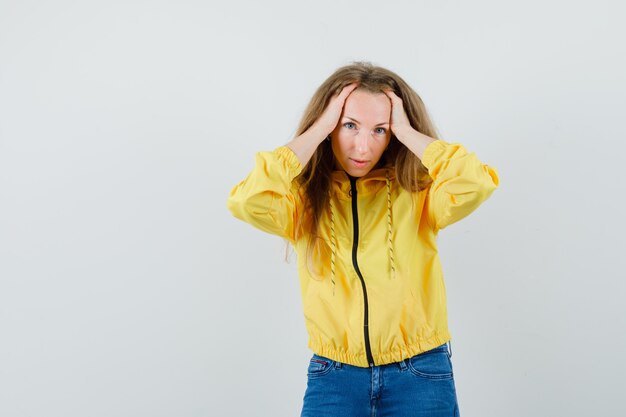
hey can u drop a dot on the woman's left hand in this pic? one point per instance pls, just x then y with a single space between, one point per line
400 124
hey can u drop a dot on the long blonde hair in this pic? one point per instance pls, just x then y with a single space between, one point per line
316 174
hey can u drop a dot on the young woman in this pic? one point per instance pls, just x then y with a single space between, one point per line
361 193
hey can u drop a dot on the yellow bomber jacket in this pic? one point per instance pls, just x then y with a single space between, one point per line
375 294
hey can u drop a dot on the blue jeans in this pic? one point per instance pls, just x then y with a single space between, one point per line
422 385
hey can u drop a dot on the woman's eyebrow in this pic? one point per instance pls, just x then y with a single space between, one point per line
355 120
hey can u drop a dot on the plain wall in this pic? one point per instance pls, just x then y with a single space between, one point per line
128 289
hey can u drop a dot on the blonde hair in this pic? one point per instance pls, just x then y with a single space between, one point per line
315 177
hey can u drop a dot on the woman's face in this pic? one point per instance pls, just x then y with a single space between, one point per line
362 133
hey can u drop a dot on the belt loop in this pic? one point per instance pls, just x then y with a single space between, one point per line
450 348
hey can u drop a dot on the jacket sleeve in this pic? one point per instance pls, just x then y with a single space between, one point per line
264 198
460 182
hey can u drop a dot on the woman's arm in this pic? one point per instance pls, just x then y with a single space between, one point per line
264 198
460 181
414 140
304 146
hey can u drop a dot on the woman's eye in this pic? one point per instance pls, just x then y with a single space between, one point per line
348 123
381 130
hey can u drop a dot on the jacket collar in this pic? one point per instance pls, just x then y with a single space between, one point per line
372 182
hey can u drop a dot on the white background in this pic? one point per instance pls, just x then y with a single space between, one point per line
128 289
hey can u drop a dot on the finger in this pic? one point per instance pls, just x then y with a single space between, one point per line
348 89
391 98
344 93
391 95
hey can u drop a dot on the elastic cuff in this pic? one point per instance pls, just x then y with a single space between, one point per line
432 151
289 157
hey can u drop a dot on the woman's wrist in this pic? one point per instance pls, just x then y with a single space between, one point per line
414 140
305 145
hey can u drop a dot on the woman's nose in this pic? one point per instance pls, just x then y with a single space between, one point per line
362 141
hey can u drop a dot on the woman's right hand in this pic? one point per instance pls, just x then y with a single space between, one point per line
330 117
305 145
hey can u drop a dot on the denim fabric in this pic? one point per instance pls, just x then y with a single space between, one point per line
422 385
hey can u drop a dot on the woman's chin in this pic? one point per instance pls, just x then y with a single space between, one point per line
357 172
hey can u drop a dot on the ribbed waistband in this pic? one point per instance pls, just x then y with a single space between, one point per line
446 347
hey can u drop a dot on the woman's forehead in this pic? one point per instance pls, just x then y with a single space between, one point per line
363 106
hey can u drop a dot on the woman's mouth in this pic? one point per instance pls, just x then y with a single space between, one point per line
359 163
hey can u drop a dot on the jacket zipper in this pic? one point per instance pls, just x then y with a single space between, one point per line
355 244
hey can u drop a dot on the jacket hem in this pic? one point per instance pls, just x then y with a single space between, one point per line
396 355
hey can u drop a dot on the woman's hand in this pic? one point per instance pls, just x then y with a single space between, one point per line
305 145
400 124
330 117
401 127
